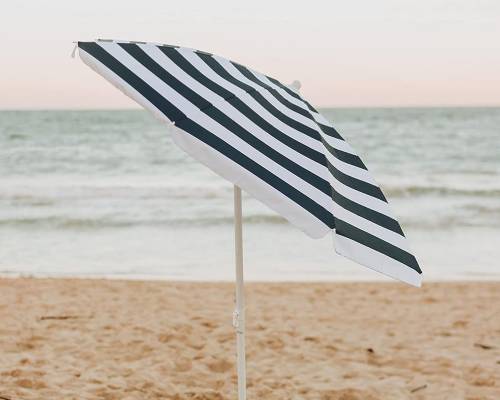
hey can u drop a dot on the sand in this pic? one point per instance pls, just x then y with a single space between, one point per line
102 339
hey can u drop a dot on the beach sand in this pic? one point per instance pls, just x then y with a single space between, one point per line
104 339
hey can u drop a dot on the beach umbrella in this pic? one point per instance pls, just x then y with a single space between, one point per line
262 136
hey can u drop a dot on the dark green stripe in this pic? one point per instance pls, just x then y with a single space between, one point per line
367 213
342 228
357 184
348 158
330 131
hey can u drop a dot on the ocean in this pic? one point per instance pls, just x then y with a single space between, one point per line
107 193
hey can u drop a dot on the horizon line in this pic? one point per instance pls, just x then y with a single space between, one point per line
449 106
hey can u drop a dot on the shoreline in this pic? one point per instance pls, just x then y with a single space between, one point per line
481 278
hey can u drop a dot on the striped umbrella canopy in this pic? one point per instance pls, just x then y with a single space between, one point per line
265 138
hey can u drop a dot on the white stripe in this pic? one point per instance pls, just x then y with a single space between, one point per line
351 170
361 198
338 144
320 119
203 68
233 71
233 113
377 261
193 113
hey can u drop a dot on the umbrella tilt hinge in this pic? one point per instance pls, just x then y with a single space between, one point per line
238 321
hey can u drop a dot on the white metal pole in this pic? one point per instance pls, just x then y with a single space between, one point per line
239 313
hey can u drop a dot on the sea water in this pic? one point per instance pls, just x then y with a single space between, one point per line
108 193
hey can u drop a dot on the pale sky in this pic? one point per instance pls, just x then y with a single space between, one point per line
345 53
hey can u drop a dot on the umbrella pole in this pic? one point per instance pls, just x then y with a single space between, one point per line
239 312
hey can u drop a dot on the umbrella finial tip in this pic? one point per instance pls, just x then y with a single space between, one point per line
295 85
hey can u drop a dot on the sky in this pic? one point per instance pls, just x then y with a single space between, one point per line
356 53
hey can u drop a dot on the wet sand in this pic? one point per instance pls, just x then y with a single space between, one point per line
103 339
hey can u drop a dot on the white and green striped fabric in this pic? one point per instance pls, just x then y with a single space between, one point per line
264 137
